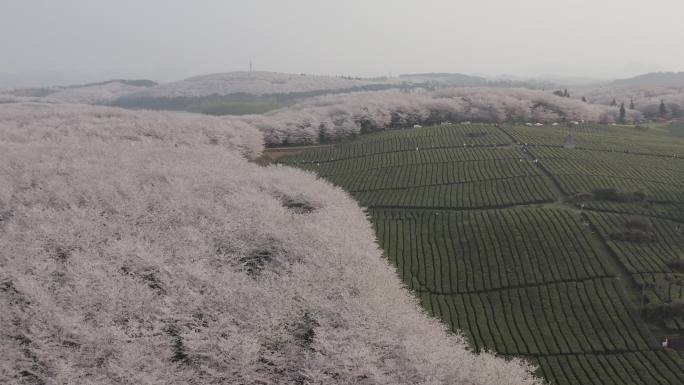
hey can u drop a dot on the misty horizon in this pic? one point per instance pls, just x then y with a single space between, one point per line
77 41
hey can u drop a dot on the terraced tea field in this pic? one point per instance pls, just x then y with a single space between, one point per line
568 252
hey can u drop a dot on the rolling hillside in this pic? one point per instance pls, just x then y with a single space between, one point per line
253 83
665 79
566 250
239 93
93 93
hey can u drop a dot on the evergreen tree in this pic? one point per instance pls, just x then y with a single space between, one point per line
584 99
623 113
614 103
663 109
631 104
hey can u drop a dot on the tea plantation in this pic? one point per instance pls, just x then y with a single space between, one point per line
560 244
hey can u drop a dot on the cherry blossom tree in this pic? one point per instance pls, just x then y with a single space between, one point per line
143 248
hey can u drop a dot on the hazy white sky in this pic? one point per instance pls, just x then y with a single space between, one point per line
168 39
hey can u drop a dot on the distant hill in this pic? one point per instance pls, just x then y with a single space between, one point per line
238 93
675 79
554 80
446 79
39 79
254 83
461 80
128 82
91 93
230 93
